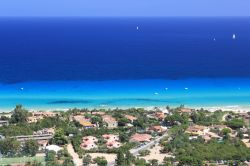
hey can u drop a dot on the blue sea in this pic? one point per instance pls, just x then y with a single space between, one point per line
60 63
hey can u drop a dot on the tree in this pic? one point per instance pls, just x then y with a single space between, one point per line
30 147
176 117
4 118
140 122
129 158
16 129
189 161
68 162
120 159
123 137
52 163
225 133
96 119
236 123
140 162
240 134
34 163
154 162
19 115
9 147
168 161
60 138
51 159
100 161
86 160
50 156
144 152
62 154
122 121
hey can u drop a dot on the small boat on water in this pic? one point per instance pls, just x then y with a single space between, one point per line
234 36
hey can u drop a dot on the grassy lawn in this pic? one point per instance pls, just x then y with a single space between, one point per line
7 161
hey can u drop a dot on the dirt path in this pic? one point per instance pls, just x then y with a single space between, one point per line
76 159
156 154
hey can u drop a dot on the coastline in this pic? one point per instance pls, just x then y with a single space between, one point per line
227 94
238 109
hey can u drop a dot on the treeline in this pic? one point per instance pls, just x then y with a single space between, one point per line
11 147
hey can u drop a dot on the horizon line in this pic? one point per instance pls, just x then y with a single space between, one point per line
125 16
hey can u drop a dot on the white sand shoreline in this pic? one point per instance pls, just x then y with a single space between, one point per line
234 108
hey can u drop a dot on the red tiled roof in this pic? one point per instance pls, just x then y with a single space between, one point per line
130 117
108 119
141 137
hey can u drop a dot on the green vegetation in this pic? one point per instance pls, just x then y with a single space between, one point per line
141 162
235 123
30 148
124 158
206 118
28 129
195 152
33 163
19 115
86 160
226 145
15 130
144 152
10 147
176 118
212 151
53 160
59 137
8 161
100 161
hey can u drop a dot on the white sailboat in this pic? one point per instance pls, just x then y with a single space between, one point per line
234 36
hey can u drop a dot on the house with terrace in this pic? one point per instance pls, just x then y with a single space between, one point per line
202 131
4 123
36 116
89 142
197 130
140 138
98 113
45 131
84 122
159 115
157 128
130 118
184 111
110 121
112 141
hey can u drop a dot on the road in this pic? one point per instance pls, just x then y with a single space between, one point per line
135 151
77 161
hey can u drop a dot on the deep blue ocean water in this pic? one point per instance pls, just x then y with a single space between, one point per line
109 62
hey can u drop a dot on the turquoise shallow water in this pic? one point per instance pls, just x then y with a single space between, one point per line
126 93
